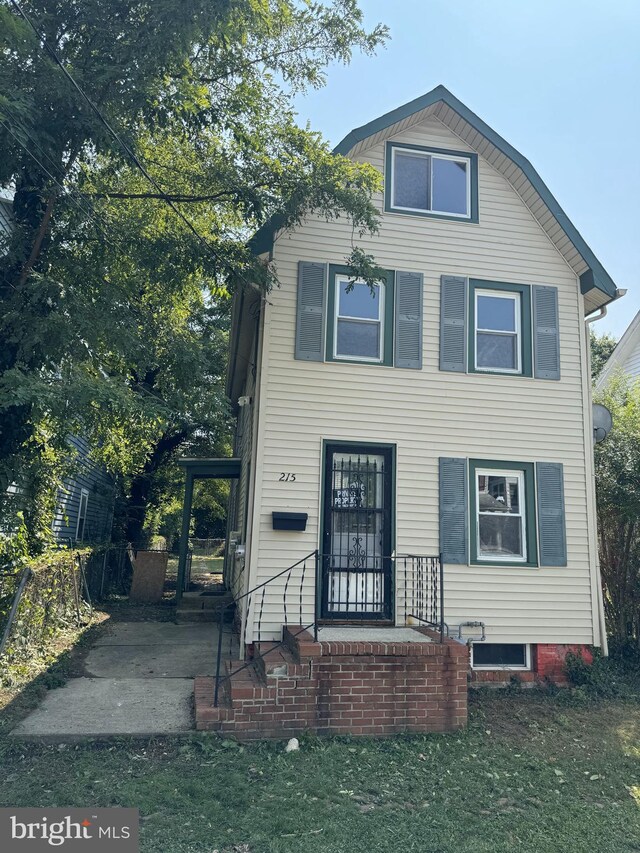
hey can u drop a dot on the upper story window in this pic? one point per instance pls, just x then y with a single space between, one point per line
500 333
431 182
359 320
497 333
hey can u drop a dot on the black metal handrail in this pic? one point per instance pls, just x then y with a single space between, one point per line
248 596
419 584
422 589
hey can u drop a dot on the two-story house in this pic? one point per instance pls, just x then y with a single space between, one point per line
444 413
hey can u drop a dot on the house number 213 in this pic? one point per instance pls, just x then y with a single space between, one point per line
287 478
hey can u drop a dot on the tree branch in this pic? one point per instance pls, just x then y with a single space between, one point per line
37 244
164 196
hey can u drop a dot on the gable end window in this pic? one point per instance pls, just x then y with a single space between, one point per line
431 182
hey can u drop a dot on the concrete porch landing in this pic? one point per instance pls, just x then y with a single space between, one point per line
138 680
347 634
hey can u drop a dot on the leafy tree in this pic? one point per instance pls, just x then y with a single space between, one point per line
617 466
602 346
115 286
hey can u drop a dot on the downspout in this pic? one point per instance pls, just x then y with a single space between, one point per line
601 620
602 312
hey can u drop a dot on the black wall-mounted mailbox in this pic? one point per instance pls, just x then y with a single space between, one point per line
289 520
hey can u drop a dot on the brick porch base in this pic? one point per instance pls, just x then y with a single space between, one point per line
339 688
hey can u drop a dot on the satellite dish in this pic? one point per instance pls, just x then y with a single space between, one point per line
602 422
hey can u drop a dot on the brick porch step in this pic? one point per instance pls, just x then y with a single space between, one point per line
277 661
339 687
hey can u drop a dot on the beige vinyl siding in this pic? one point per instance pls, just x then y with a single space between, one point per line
427 414
631 364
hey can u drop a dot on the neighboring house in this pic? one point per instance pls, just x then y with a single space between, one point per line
84 511
5 211
626 355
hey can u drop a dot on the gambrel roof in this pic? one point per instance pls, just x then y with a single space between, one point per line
595 282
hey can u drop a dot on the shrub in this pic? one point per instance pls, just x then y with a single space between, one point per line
607 677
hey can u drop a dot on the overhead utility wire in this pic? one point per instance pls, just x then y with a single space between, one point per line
89 212
131 154
89 209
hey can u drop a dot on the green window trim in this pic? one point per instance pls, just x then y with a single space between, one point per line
528 470
387 326
526 346
428 214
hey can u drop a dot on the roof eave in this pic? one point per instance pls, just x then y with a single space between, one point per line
595 276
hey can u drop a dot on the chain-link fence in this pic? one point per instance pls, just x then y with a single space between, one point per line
57 591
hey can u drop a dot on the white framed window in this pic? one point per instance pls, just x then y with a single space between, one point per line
497 333
430 182
501 533
82 515
501 656
358 333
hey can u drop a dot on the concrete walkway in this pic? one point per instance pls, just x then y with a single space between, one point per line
139 681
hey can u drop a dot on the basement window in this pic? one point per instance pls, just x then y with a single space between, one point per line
500 656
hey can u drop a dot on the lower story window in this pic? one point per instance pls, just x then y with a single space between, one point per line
501 519
500 655
503 513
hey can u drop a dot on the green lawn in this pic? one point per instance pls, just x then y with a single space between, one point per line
199 565
535 773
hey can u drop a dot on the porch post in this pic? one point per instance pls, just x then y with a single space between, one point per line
184 535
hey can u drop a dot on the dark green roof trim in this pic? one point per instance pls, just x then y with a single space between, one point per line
601 278
211 468
596 276
262 240
588 280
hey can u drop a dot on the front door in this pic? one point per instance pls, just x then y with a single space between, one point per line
356 547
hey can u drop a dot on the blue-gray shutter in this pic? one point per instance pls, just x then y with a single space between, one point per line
453 510
453 323
408 319
546 335
552 535
312 297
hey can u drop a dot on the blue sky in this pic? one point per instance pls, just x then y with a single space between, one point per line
558 80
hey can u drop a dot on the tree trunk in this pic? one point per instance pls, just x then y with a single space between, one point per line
137 502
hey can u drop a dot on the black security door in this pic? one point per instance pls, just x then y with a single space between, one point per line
357 566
